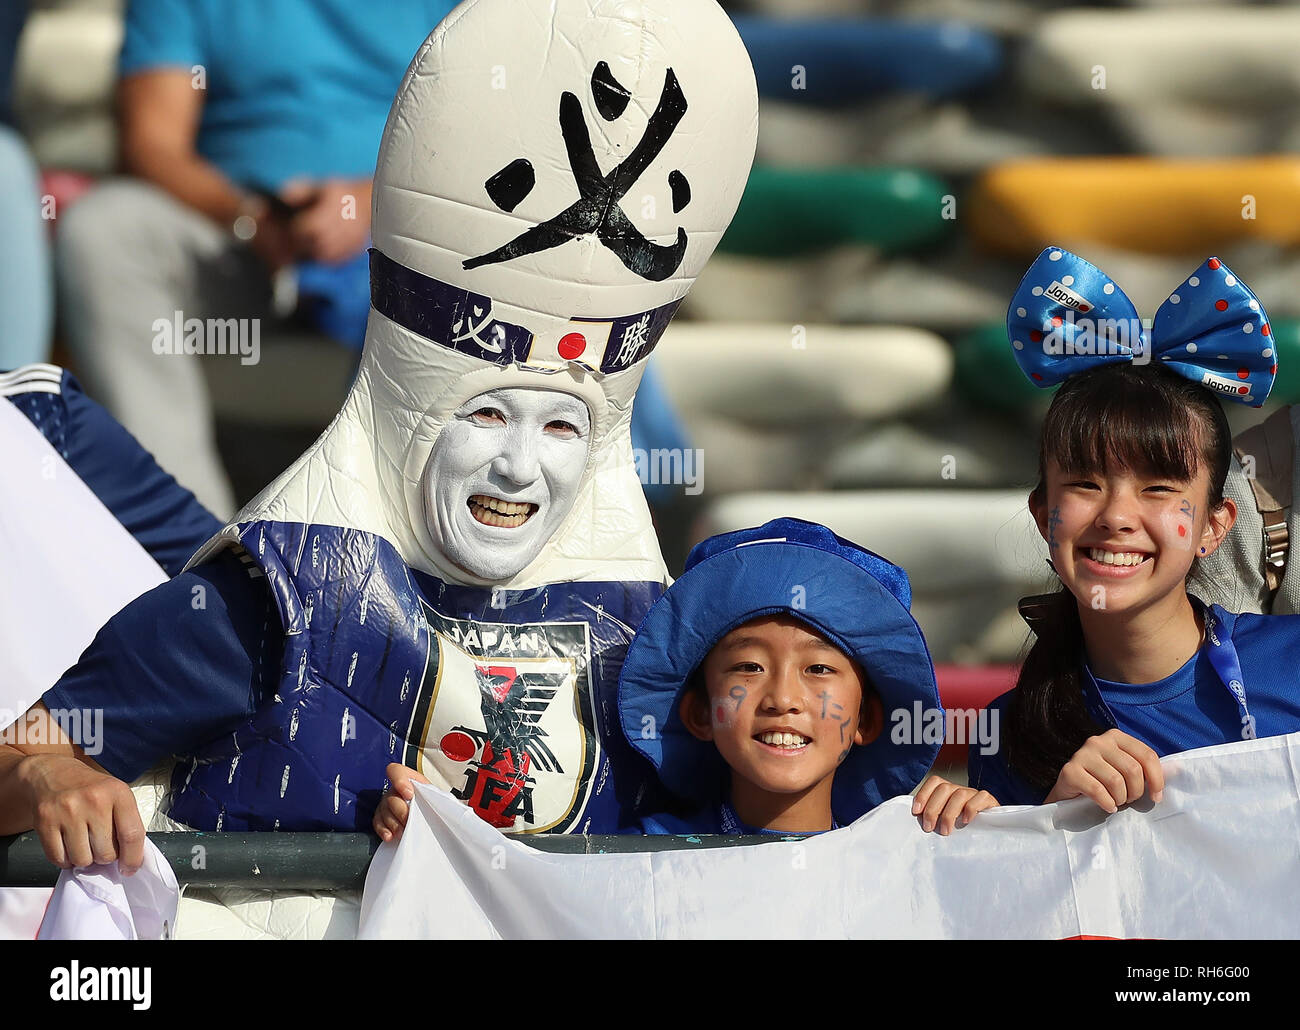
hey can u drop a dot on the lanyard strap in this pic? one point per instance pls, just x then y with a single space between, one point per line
1221 652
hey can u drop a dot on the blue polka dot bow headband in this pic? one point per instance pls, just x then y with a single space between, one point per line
1068 317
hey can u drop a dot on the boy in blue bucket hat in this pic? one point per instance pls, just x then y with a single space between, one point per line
760 684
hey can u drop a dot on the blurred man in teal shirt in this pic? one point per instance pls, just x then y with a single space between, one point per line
249 133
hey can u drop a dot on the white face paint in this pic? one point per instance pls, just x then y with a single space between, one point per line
502 476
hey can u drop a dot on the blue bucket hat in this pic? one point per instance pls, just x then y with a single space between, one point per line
856 599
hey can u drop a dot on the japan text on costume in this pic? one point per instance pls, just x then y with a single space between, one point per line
856 600
460 560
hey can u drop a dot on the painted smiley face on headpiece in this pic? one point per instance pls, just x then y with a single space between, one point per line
503 475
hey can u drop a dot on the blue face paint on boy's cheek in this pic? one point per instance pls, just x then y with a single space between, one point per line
737 694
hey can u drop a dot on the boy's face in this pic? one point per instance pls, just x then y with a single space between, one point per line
784 707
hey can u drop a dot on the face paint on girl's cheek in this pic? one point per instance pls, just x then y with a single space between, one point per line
1053 520
1179 525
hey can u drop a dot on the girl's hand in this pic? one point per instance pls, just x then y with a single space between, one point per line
390 816
1112 769
944 806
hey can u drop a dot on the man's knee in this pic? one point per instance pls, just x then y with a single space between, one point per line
118 218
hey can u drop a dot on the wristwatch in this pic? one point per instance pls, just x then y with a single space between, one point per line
244 227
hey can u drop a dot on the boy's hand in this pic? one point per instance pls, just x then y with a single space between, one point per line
83 817
943 806
390 816
1113 769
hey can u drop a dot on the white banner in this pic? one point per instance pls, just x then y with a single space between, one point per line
1219 857
69 566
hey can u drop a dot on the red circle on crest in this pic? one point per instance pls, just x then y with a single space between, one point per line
1222 305
572 345
1213 262
457 746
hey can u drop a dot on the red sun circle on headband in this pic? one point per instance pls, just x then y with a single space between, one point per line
1243 390
457 746
571 346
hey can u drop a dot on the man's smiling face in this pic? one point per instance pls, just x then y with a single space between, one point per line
502 476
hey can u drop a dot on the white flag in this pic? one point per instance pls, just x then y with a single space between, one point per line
1217 858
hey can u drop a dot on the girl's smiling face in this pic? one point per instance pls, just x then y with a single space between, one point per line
1123 540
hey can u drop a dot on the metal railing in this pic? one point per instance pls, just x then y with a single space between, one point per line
318 861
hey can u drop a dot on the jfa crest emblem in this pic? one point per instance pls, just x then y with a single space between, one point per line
503 720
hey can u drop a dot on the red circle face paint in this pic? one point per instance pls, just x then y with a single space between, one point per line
1182 530
457 746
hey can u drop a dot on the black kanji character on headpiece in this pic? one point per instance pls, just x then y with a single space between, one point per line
598 211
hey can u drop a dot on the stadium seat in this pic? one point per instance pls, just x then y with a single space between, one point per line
836 61
767 403
1147 205
970 555
1173 83
786 212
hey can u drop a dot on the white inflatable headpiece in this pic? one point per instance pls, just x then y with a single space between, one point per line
551 180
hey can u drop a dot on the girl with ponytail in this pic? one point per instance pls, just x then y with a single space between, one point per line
1127 666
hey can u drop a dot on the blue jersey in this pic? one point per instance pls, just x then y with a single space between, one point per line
318 657
715 818
1196 706
162 515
